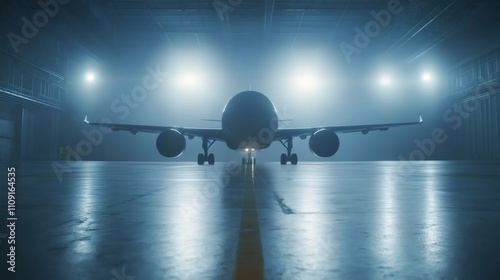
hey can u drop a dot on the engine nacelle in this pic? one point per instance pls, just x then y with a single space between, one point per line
170 143
324 143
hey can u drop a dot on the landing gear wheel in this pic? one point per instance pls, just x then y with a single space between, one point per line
253 161
211 159
283 159
288 157
201 159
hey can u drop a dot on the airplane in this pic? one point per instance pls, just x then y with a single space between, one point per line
249 123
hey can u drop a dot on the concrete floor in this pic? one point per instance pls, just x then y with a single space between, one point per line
344 220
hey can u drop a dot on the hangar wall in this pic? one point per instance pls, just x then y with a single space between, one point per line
475 83
32 98
37 72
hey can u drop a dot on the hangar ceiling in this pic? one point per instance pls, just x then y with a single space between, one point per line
419 27
301 21
105 26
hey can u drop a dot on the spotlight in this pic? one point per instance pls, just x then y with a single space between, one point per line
306 81
385 81
90 77
426 77
190 80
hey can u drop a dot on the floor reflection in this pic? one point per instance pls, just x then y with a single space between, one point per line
192 238
85 204
434 232
346 220
389 227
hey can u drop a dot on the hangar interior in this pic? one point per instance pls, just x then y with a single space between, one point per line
44 96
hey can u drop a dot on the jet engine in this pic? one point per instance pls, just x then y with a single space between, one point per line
170 143
324 143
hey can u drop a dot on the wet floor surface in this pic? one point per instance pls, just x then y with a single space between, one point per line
343 220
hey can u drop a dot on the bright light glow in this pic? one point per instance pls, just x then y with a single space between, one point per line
385 81
307 81
302 72
246 150
90 77
426 77
189 80
192 71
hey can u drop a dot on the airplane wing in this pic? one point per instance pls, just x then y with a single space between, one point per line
211 133
295 132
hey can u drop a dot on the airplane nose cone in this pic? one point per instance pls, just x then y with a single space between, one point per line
249 117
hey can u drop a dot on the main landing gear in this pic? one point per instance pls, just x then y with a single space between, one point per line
206 157
288 157
249 159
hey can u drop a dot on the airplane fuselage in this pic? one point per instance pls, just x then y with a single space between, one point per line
249 121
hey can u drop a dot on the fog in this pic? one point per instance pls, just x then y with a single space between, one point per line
202 77
342 98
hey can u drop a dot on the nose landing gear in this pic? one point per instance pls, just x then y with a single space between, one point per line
249 159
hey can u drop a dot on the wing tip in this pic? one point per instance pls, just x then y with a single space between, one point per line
86 120
211 120
421 120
